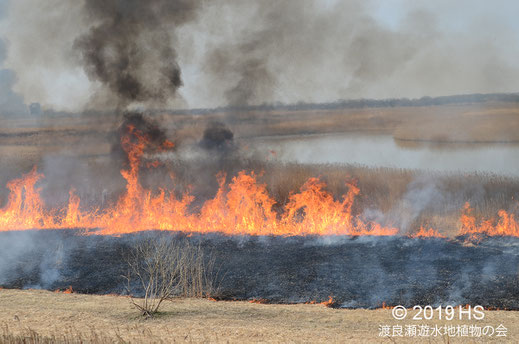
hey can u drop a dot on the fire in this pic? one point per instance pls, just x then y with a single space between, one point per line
24 208
69 290
166 145
324 215
259 301
242 206
385 306
427 233
506 225
328 303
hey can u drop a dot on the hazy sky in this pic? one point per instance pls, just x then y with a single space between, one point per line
249 52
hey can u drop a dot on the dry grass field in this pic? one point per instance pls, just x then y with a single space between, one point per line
483 122
49 317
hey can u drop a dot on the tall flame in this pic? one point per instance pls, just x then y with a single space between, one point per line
24 208
243 206
506 225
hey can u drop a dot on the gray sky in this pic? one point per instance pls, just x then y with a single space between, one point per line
265 51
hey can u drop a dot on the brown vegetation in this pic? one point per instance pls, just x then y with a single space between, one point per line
482 122
491 123
68 318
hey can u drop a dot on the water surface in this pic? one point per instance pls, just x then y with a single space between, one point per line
384 151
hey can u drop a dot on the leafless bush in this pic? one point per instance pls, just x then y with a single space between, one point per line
197 274
164 267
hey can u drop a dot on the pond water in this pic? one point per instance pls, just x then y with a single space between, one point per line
384 151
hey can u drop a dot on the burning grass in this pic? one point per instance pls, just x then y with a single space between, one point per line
242 207
50 317
254 197
246 206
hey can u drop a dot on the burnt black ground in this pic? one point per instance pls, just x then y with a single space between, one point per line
357 272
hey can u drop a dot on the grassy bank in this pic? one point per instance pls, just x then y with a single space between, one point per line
45 317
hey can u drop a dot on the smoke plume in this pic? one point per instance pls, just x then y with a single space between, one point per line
11 103
217 136
250 52
130 47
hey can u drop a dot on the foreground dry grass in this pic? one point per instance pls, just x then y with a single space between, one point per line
59 317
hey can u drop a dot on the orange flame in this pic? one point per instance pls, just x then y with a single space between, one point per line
24 208
166 145
385 306
506 225
328 303
66 291
242 207
324 215
427 233
259 301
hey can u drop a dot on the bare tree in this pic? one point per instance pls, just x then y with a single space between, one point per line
162 267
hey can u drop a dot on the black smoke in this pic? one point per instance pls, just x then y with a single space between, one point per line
217 136
129 48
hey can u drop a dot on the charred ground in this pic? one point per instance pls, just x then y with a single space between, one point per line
356 272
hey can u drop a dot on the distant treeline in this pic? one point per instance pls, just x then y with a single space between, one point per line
339 104
368 103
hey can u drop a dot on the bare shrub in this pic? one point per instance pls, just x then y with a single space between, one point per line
197 274
160 268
